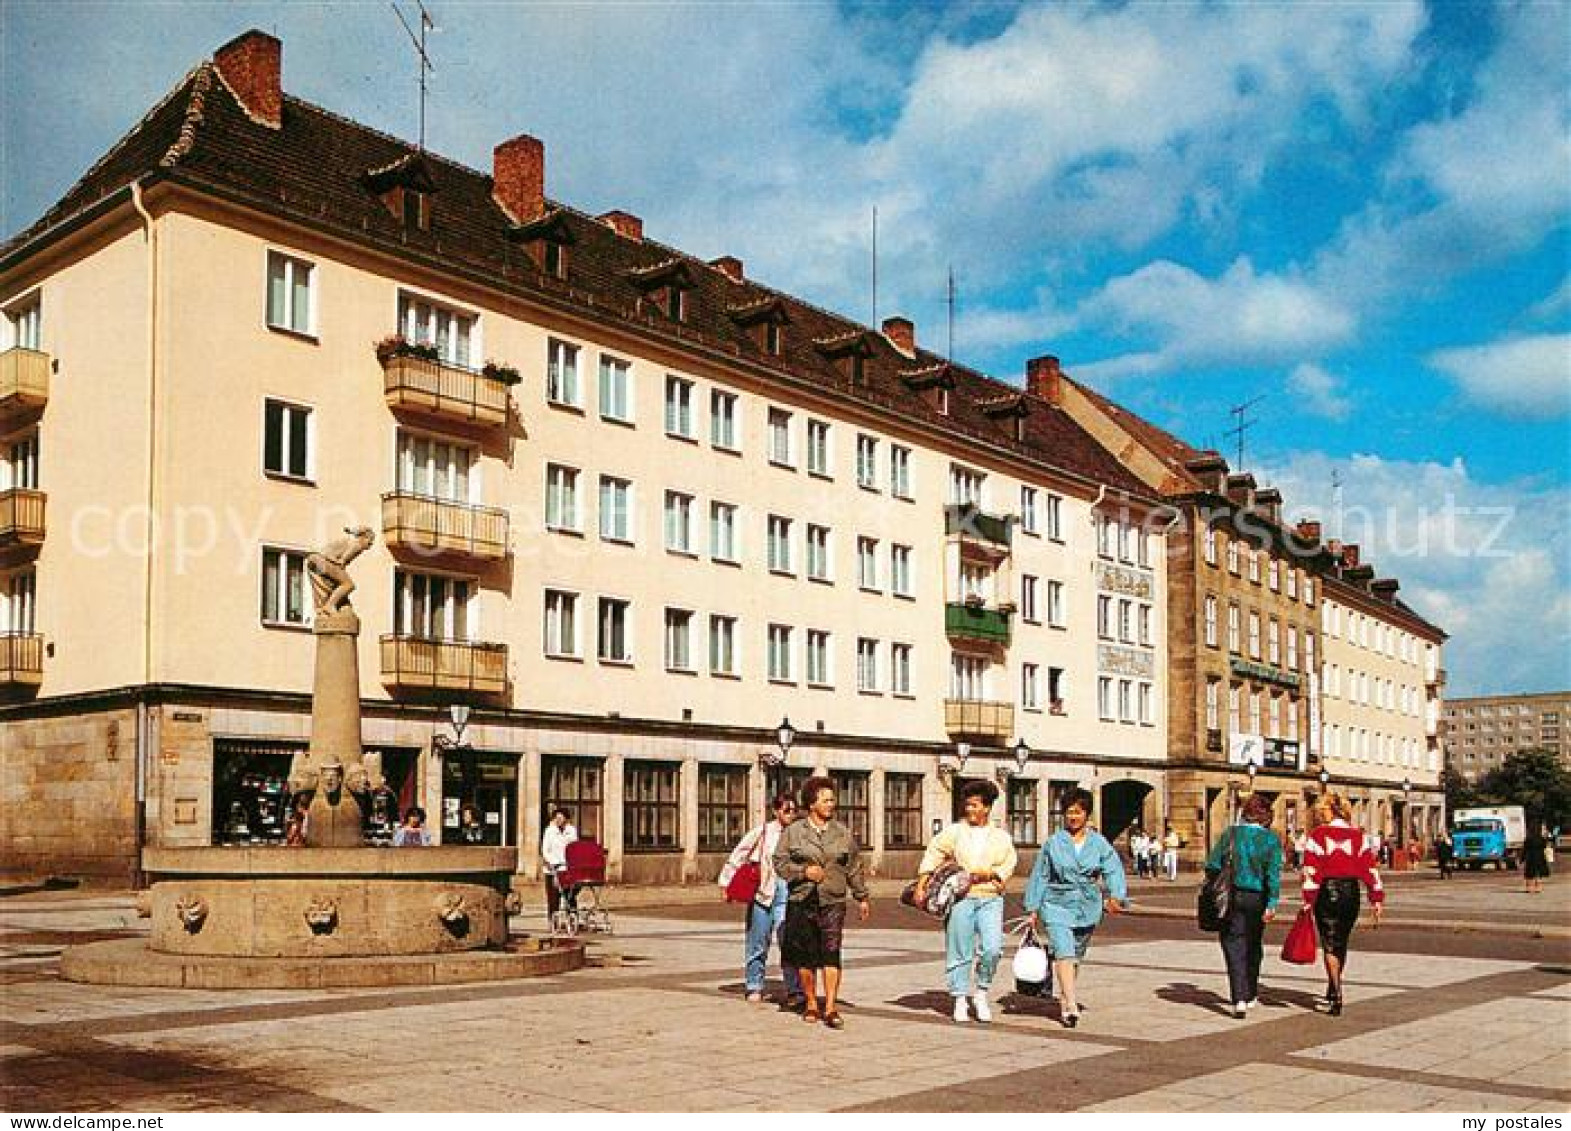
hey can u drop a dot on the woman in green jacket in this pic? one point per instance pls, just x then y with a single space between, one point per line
1257 883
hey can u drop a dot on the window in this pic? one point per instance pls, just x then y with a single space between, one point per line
1254 635
1028 510
1309 591
965 485
1213 704
1145 625
290 295
1275 716
1233 643
679 407
678 522
1254 566
1210 546
900 669
1234 718
866 664
780 653
1106 537
967 677
19 467
1274 642
561 623
722 532
1104 617
899 471
283 589
819 565
867 462
1030 687
1292 718
1292 584
1055 604
554 256
1292 648
431 606
24 321
818 448
780 438
678 640
1104 699
1028 609
900 570
451 331
288 440
1210 621
1274 575
818 673
722 807
1143 542
722 646
435 469
867 563
779 544
561 498
1021 810
722 420
1126 543
903 811
616 509
1147 706
973 582
852 790
1126 620
1126 701
616 639
650 807
1057 690
577 785
561 373
1254 712
1055 518
616 400
1232 556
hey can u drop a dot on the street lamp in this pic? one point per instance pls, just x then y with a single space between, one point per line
1407 811
1325 780
785 737
949 773
458 715
1022 754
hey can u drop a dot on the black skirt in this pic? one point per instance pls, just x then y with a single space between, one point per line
1336 910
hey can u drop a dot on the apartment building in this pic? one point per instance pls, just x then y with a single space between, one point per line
667 539
1480 732
1380 686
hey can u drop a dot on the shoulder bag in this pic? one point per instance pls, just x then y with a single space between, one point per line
747 879
1216 891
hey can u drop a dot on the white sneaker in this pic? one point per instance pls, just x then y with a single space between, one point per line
1251 1003
1240 1010
984 1012
962 1013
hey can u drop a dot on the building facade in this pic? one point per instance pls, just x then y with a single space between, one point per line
634 511
1481 732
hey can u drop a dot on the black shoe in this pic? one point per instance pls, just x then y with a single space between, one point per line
1334 1005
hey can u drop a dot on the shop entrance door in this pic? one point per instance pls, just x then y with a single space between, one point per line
488 782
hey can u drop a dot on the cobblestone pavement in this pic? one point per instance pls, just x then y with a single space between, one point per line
667 1030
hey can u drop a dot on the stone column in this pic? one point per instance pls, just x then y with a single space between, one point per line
333 768
613 816
687 796
531 797
875 820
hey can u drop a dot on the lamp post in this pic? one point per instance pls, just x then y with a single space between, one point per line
785 738
1253 769
1407 811
1022 755
1325 781
949 773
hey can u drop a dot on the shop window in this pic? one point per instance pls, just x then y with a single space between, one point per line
577 785
851 803
722 807
903 811
650 807
1022 810
487 785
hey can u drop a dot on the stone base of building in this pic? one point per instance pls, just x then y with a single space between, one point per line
130 962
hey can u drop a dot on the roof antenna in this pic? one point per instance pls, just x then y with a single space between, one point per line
1243 425
951 312
426 66
1336 499
875 265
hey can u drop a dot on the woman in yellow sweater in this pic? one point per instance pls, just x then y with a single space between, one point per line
988 854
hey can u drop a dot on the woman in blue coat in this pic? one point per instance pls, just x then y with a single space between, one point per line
1064 896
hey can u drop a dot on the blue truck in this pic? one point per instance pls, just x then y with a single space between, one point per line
1491 834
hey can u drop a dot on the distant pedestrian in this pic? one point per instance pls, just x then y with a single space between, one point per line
470 829
987 853
298 825
1257 883
559 833
1171 843
822 864
413 833
1445 854
1337 859
1138 842
766 912
1064 896
1300 839
1535 860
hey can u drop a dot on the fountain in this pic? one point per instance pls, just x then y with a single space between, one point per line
330 912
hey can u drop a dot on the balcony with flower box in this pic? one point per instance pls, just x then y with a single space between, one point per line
422 663
417 379
982 719
425 526
976 624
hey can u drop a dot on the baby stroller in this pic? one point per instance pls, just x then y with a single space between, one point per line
582 908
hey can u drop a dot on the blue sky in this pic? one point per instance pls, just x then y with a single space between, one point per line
1358 211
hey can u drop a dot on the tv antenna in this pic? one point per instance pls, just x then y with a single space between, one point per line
1243 422
951 313
1336 499
875 265
426 66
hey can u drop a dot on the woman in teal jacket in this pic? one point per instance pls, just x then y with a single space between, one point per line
1257 883
1064 896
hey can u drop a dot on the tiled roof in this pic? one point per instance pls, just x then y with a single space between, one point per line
1168 448
311 171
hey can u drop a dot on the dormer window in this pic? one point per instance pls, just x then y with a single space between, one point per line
934 383
553 259
849 352
405 189
762 320
416 209
675 305
547 241
1010 410
665 286
943 401
772 339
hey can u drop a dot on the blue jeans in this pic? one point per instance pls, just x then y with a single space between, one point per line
969 920
762 923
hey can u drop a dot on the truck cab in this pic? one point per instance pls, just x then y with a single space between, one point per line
1492 835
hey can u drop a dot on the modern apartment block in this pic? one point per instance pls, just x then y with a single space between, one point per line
634 511
1482 731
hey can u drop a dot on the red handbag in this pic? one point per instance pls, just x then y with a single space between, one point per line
1299 947
747 879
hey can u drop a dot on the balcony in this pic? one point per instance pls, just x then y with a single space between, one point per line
21 659
426 526
980 719
21 518
975 527
976 624
449 393
420 663
24 385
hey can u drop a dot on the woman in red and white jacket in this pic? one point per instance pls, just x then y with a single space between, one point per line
1337 858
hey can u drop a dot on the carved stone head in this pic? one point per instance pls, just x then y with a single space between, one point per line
192 910
321 915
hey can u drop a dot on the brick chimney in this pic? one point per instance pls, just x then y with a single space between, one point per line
1240 489
518 178
1350 556
901 333
1268 502
729 266
1309 530
1210 468
1045 379
1385 588
625 224
251 66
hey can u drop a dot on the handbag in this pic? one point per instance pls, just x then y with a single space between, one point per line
1215 898
1031 968
1299 947
947 885
748 878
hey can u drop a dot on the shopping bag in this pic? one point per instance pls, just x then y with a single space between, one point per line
1031 968
1299 948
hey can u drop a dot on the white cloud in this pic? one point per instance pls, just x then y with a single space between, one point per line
1319 392
1526 378
1482 560
1554 304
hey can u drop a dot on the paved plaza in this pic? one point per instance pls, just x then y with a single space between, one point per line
1483 1028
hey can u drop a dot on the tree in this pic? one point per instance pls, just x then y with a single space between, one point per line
1535 780
1460 793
